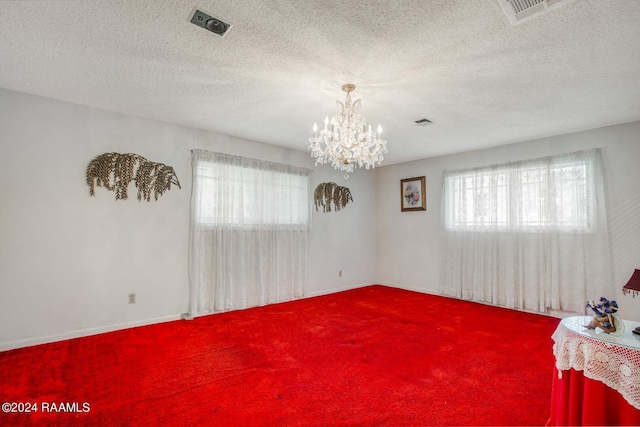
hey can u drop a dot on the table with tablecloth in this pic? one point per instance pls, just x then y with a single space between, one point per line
596 375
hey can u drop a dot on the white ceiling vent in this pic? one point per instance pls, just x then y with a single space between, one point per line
519 11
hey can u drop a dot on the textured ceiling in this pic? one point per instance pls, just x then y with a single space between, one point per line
459 63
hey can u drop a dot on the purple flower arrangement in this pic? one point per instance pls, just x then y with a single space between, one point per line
603 309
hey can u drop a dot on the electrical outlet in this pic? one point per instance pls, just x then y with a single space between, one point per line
132 298
340 273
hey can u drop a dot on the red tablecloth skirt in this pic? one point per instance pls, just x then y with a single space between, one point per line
576 400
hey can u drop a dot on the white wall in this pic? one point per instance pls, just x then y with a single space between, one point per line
408 243
68 261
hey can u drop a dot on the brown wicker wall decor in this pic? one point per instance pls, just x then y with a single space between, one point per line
328 192
115 171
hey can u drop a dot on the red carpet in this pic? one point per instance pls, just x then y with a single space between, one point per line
374 356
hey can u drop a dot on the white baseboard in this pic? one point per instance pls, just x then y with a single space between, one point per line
10 345
339 289
550 313
28 342
411 288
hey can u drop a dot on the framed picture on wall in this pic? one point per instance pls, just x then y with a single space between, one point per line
413 195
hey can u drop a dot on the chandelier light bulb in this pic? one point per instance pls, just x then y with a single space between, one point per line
348 143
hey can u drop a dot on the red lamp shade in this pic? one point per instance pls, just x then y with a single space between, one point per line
633 285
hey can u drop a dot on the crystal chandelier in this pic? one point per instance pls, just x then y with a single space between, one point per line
348 142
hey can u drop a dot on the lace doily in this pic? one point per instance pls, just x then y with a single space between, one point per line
614 361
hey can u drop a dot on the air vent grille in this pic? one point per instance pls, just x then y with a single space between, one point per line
519 11
423 122
521 5
208 22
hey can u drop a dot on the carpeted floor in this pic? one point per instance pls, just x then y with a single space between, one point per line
375 356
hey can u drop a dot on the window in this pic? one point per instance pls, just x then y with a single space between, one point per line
251 195
552 193
250 227
528 235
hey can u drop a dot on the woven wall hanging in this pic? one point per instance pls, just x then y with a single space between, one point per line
115 172
328 192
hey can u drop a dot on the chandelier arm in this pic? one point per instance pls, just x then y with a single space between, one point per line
363 155
361 143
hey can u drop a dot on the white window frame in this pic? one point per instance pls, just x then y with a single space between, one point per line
207 174
573 174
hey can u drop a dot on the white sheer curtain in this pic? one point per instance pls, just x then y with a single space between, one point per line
527 235
250 223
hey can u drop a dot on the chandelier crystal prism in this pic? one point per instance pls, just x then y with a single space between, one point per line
348 141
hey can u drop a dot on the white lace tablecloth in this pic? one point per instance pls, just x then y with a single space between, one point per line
612 360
